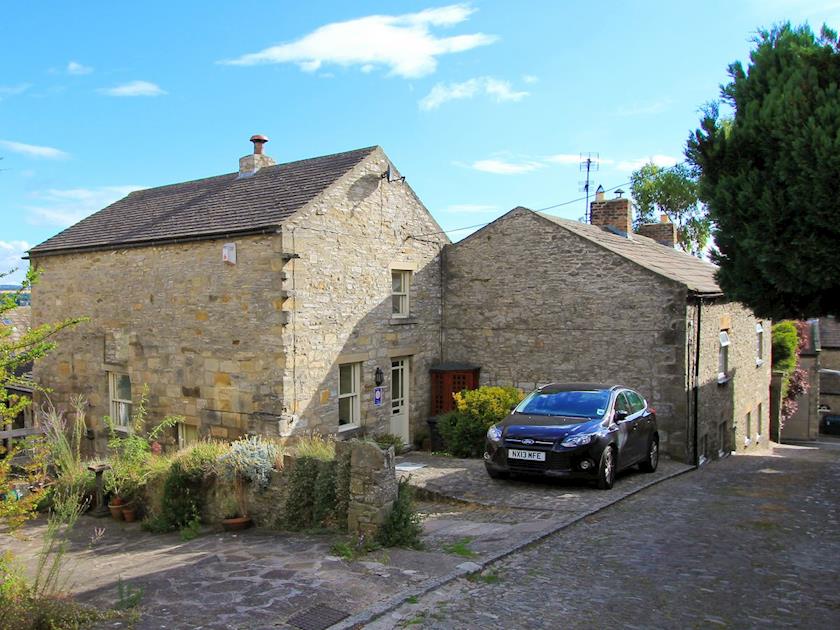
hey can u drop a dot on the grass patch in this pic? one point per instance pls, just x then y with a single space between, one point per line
485 578
461 548
412 600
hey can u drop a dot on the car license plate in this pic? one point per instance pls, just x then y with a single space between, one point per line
533 456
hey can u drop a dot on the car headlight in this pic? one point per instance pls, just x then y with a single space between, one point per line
578 440
494 434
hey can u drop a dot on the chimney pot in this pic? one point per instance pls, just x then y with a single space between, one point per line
258 141
663 218
599 193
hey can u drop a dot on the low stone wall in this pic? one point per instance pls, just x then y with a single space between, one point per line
372 491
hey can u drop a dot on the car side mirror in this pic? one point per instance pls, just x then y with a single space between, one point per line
620 414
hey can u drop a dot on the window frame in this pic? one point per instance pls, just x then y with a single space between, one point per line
403 295
723 356
759 344
354 395
114 403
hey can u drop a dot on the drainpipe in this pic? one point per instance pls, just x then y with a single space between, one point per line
696 405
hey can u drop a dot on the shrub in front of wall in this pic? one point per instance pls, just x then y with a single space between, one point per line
402 528
342 489
463 430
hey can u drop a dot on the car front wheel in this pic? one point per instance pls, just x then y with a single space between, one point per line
606 469
650 462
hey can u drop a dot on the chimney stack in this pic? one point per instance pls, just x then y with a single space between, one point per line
663 232
614 213
250 164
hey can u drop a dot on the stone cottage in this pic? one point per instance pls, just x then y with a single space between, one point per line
278 299
534 298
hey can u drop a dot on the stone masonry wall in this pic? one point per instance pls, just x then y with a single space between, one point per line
348 241
723 407
204 336
532 303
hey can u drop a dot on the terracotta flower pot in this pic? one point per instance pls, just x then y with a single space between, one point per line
129 513
116 501
236 524
116 511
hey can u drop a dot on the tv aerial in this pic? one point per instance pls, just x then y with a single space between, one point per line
589 163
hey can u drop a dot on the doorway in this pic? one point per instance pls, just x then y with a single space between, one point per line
400 390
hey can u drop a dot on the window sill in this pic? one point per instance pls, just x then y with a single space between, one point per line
402 321
759 362
343 428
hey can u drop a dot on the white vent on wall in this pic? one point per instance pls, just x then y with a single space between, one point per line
229 253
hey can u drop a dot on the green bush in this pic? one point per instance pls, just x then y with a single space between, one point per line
384 440
342 489
402 527
463 429
785 342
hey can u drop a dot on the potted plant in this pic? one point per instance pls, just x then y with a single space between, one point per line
250 460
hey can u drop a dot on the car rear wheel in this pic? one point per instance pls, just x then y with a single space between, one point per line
651 461
606 469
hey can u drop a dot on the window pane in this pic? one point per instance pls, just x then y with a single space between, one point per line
123 414
396 304
636 402
396 384
122 386
345 379
345 410
621 403
397 278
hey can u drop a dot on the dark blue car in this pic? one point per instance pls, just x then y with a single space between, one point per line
577 430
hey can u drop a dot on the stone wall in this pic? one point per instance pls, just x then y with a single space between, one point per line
723 406
205 336
373 486
348 241
373 491
532 303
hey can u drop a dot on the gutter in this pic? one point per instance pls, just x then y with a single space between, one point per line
695 407
151 242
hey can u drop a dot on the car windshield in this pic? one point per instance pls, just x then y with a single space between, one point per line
578 404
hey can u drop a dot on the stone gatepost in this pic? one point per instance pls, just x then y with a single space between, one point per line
373 487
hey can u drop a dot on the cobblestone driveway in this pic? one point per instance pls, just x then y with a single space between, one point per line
751 541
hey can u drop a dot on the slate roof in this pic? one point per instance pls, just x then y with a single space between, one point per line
697 275
829 332
224 204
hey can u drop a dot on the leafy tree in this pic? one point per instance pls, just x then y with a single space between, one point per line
673 192
768 175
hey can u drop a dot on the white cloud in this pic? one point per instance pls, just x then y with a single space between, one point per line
13 90
10 258
64 207
76 68
33 150
402 43
469 208
443 92
530 78
502 167
134 88
664 161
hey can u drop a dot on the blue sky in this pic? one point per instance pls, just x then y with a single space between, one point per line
483 106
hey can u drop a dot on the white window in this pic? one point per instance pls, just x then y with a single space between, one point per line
759 344
400 284
348 395
723 357
119 386
749 429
